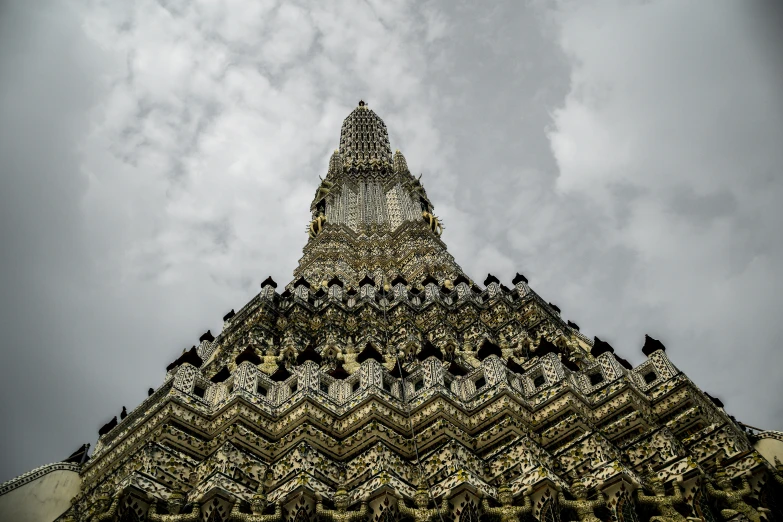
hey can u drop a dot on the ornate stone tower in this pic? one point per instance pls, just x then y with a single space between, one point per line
383 384
371 217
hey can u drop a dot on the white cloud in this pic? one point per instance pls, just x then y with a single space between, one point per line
179 144
199 154
671 130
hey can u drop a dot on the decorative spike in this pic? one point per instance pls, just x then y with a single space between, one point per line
335 164
652 345
400 165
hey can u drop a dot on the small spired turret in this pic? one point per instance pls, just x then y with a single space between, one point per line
400 164
335 164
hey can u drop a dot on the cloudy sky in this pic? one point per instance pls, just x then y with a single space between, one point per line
157 160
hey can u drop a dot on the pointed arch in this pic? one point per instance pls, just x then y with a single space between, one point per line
217 510
702 508
549 512
302 515
625 509
388 515
131 510
129 515
385 511
469 513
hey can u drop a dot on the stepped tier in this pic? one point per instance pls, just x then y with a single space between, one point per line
526 420
383 377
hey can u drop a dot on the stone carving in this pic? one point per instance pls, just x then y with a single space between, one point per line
662 502
585 509
102 512
734 498
175 505
432 222
508 512
317 225
323 190
258 505
341 514
257 515
420 513
777 473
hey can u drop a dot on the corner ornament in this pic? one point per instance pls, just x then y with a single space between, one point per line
733 497
316 225
507 512
109 513
777 474
257 515
433 223
662 502
341 514
193 516
585 509
420 513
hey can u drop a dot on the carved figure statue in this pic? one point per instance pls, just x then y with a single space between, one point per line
323 190
289 352
257 505
101 510
341 514
77 509
176 502
433 222
662 502
733 497
507 512
332 352
316 225
420 513
777 475
585 509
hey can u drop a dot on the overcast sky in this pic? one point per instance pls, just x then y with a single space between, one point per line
157 161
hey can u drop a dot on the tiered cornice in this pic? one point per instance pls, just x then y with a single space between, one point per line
382 377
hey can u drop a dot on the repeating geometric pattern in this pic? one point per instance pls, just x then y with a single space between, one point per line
382 383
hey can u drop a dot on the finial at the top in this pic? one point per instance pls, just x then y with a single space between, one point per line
361 103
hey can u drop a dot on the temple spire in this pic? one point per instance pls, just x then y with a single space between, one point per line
364 138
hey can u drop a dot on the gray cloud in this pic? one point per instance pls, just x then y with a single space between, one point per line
158 160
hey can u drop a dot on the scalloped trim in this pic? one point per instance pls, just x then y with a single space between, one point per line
36 473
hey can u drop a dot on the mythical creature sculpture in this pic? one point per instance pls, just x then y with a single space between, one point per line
420 513
323 190
433 222
77 508
101 512
417 191
175 504
662 502
777 475
585 509
733 497
341 514
257 515
289 352
332 353
316 225
258 505
507 512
